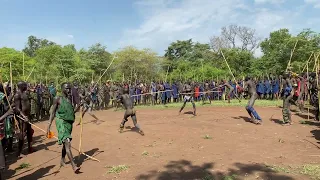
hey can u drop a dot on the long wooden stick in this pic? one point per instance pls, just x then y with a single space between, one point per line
317 76
11 84
105 71
308 86
307 62
228 66
23 65
81 130
30 74
56 137
292 51
315 62
167 74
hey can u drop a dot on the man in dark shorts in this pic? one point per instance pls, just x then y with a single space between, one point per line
188 91
130 111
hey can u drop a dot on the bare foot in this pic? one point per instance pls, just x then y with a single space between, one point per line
62 162
76 170
141 132
31 150
286 124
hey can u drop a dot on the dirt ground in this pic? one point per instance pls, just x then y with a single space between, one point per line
216 144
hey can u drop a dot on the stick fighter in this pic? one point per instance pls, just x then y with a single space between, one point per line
231 91
64 112
23 108
188 98
87 106
287 97
250 89
130 111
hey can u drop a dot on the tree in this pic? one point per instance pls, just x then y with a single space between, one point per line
8 55
179 49
137 64
97 57
34 44
278 47
235 36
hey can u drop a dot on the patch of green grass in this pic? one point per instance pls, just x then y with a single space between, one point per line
278 169
302 122
231 177
221 103
23 166
311 170
207 137
208 177
117 169
145 153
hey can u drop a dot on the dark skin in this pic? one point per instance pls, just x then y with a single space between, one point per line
206 95
128 105
188 91
231 90
287 98
66 149
22 107
88 109
250 89
302 90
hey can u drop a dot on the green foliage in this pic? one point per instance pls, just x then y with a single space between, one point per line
277 49
23 166
183 60
312 170
117 169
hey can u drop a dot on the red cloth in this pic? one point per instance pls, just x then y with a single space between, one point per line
239 89
196 90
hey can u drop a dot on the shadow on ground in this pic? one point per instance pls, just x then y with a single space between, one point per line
81 158
184 169
188 112
245 118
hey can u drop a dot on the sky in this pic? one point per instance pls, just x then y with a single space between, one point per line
150 24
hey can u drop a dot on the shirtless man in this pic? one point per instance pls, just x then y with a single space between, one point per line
130 111
188 91
250 89
23 108
87 105
231 90
207 94
287 97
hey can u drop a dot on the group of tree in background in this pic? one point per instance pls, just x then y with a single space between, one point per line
45 61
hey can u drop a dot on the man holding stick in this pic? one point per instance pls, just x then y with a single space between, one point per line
287 97
130 111
64 112
188 91
23 108
87 105
250 89
231 91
